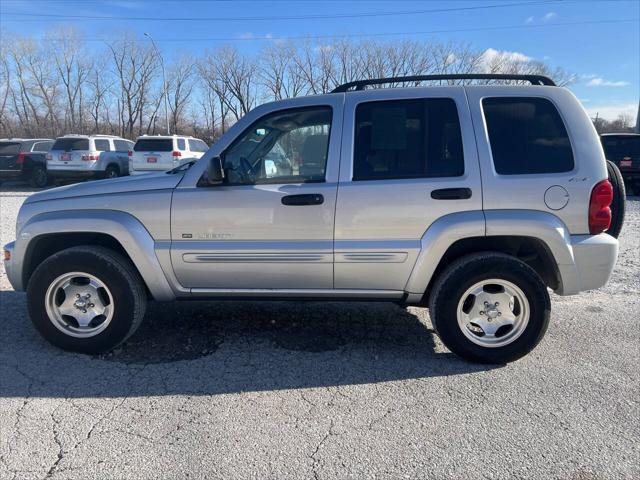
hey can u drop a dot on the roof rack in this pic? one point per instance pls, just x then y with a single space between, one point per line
360 84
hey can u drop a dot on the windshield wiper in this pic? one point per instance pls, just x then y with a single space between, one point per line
182 168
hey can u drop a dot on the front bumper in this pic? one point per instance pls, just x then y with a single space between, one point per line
10 267
594 257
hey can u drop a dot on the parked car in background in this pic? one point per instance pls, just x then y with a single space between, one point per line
159 153
623 149
89 156
24 159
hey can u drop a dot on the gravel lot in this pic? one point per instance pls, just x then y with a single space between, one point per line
294 390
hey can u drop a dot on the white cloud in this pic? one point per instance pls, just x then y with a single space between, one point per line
246 35
491 58
601 82
547 17
611 112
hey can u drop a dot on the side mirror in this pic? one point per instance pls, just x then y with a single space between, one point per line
214 173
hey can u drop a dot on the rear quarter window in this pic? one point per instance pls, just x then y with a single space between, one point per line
153 145
527 136
41 146
197 145
102 145
69 144
181 144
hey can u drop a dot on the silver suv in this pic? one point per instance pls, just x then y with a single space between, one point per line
471 200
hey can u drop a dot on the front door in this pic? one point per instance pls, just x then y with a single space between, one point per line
270 224
408 159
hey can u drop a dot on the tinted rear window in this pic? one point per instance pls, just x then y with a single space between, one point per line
617 148
407 139
153 145
68 144
527 136
9 148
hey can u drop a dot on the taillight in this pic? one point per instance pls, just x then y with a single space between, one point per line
176 153
21 158
91 157
48 157
599 211
131 153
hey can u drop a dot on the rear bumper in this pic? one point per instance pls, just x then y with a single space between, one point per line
75 173
5 174
594 257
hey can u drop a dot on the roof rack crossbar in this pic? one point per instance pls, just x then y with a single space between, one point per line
360 84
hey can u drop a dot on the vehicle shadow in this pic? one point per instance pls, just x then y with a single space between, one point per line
206 348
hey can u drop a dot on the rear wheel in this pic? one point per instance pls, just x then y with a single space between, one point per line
86 299
619 197
490 308
39 177
112 172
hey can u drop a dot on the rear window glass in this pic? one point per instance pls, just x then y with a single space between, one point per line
617 148
527 136
102 145
153 145
197 146
68 144
9 148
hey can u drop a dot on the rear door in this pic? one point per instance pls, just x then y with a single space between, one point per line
9 155
408 159
153 154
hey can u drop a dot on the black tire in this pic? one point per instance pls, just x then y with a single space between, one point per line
112 171
119 276
619 198
38 177
461 275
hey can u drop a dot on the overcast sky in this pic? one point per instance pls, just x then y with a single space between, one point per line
598 40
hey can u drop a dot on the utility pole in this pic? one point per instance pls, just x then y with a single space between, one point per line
164 82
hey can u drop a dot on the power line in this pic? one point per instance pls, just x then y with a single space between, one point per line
282 17
374 34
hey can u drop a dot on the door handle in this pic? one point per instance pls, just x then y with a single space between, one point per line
451 194
304 199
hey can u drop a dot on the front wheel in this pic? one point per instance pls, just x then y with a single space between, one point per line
490 308
86 299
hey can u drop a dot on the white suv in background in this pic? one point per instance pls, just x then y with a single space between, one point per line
159 153
88 156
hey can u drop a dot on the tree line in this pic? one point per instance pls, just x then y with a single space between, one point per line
62 84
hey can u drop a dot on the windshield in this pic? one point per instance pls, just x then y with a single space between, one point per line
153 145
9 148
69 144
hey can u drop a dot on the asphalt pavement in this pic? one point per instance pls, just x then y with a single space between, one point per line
324 390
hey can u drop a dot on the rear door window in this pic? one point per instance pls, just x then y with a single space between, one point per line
122 145
69 144
42 146
196 145
102 144
153 145
418 138
527 136
9 148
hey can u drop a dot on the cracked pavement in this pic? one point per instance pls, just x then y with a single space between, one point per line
324 390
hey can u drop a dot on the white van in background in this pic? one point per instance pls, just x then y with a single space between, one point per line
159 153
